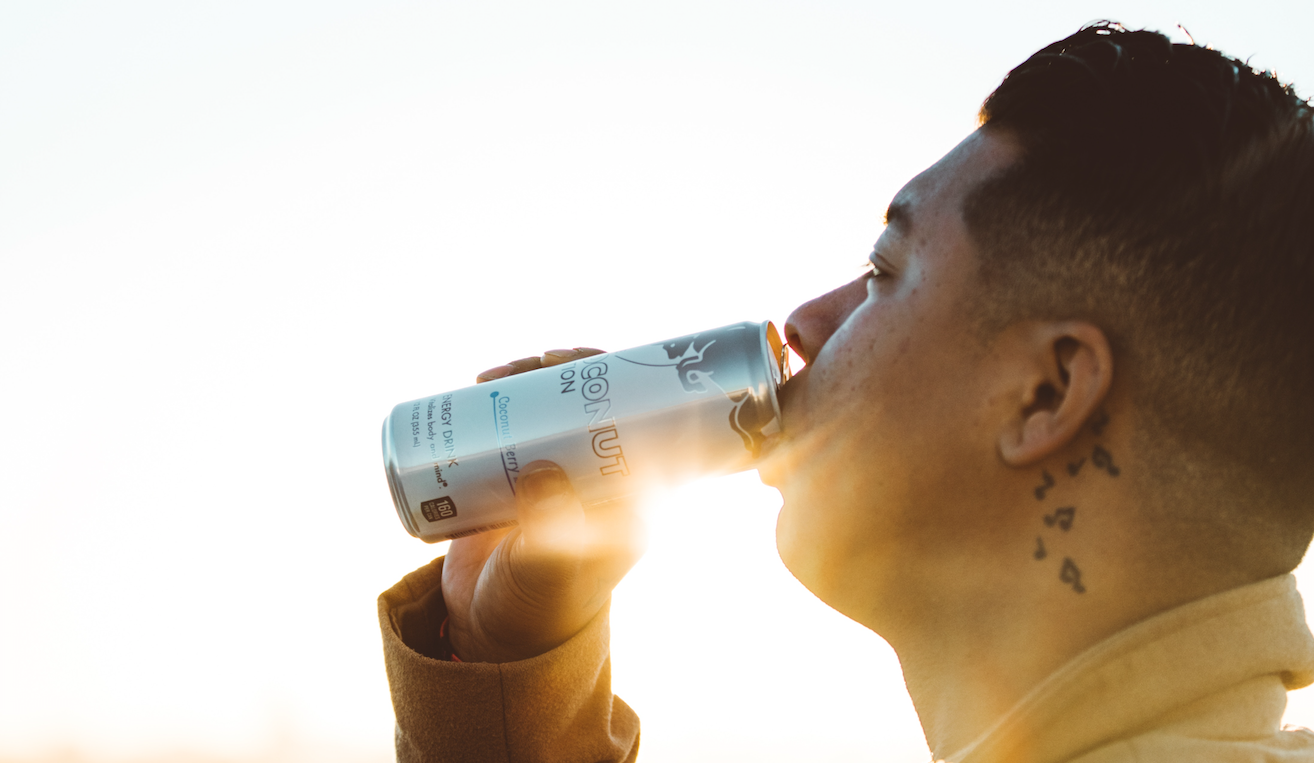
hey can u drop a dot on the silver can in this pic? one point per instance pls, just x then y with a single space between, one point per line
616 423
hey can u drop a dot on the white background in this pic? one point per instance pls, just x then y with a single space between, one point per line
234 234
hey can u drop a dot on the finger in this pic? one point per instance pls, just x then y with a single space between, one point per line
510 369
609 537
557 357
551 518
615 540
526 364
472 550
566 551
492 374
465 560
566 555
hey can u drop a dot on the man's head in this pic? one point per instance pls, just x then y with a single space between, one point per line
1127 203
1166 194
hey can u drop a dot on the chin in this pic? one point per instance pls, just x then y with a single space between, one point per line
819 570
773 465
797 552
828 557
771 473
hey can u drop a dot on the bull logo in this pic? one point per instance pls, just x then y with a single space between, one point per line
698 356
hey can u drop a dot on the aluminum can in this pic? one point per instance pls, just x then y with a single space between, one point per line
617 423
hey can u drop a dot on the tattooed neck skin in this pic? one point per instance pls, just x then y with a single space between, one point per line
1074 559
1059 524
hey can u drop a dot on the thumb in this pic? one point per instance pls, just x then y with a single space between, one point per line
550 515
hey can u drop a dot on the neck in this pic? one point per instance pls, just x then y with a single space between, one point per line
978 630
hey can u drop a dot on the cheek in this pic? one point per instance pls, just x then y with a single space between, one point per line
884 406
866 366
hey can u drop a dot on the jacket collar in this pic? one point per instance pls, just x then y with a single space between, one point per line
1135 680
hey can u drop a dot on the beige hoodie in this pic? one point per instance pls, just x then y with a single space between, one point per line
1204 682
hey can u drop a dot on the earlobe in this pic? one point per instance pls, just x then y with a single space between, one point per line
1067 369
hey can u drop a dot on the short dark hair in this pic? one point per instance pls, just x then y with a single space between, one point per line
1166 193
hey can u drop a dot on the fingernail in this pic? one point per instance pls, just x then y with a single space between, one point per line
542 484
494 373
560 353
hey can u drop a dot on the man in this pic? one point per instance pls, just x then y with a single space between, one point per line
1053 447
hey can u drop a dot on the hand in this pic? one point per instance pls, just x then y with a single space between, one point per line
515 594
549 358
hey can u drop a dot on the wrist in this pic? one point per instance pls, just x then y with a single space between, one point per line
474 645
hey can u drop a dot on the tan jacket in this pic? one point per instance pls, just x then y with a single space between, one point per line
1204 682
555 707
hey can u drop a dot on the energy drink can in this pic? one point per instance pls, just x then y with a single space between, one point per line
616 423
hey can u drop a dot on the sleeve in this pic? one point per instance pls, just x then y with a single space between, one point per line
554 707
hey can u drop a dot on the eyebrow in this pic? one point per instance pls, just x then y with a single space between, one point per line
899 216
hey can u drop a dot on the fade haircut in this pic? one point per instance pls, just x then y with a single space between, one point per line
1166 194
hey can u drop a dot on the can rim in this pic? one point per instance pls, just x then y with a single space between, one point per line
779 365
394 480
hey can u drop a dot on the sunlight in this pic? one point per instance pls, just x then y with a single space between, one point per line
237 234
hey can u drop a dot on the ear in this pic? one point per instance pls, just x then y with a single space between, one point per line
1063 375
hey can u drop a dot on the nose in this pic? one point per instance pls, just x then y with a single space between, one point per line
812 323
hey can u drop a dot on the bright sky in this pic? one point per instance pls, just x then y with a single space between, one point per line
234 234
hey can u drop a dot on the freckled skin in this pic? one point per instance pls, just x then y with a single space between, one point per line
884 410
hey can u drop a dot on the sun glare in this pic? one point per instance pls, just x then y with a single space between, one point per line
236 235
